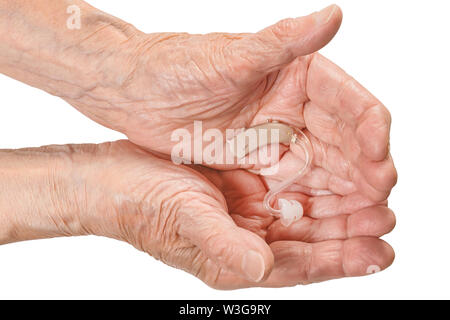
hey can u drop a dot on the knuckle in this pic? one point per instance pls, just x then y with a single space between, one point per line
214 243
282 28
387 176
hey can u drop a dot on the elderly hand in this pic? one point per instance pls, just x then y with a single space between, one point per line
148 85
211 224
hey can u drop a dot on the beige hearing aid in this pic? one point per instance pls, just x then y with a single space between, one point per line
289 210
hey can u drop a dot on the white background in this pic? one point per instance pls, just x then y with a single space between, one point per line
397 49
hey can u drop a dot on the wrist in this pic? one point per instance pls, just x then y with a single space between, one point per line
37 46
37 198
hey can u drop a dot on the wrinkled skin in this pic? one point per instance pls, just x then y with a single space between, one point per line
241 80
205 220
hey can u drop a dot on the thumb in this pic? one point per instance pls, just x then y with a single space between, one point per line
232 248
288 39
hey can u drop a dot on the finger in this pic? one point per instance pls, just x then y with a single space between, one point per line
301 263
334 205
232 248
320 176
288 39
308 263
320 182
374 179
375 194
371 222
382 175
327 206
373 130
332 89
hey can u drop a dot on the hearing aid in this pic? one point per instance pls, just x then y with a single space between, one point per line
288 211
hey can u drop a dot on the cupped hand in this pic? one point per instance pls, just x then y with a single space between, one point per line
156 83
212 223
162 82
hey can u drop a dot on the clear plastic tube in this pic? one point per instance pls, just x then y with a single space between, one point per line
290 210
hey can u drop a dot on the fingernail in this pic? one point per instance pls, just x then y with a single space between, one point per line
253 266
324 16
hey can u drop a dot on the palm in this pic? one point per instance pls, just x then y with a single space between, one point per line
322 234
348 128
